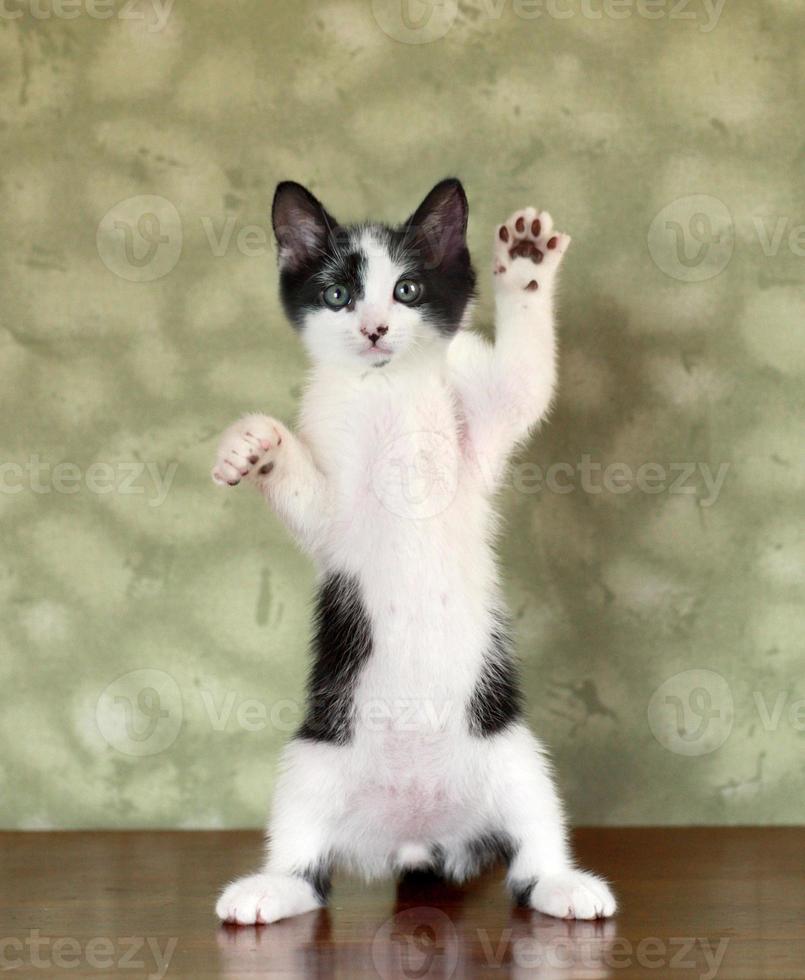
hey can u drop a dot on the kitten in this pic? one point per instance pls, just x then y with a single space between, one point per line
413 752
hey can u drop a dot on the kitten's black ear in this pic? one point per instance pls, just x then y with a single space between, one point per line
439 224
301 224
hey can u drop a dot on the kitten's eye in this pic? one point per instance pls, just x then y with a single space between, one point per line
336 296
407 291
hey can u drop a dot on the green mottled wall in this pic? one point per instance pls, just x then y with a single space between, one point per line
153 644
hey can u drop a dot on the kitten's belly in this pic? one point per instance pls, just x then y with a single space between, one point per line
419 573
415 809
415 790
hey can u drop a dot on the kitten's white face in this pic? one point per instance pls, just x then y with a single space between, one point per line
374 320
369 296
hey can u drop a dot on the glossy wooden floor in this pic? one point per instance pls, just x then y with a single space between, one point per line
698 903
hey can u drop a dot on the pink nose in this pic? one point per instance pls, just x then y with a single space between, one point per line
376 333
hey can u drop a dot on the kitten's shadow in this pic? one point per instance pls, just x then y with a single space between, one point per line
418 888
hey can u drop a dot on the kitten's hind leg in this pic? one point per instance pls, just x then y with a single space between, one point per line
541 873
296 875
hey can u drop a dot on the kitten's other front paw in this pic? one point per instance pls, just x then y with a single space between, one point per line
573 895
248 449
265 898
528 251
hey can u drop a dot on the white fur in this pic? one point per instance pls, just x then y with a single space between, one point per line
390 479
265 898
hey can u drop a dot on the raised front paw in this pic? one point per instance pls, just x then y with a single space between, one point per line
265 898
528 251
248 449
573 895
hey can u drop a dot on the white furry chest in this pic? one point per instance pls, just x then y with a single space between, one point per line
401 495
390 449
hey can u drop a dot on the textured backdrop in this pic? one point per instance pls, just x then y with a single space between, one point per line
154 628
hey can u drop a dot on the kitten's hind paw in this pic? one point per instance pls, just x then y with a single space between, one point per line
528 251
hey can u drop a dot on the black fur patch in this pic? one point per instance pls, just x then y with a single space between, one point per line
318 877
302 284
342 643
433 242
340 262
496 701
447 280
489 850
521 892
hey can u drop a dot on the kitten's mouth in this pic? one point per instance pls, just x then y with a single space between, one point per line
377 349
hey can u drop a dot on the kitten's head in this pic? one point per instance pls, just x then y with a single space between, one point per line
369 295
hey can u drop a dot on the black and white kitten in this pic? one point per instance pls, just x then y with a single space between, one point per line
413 752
